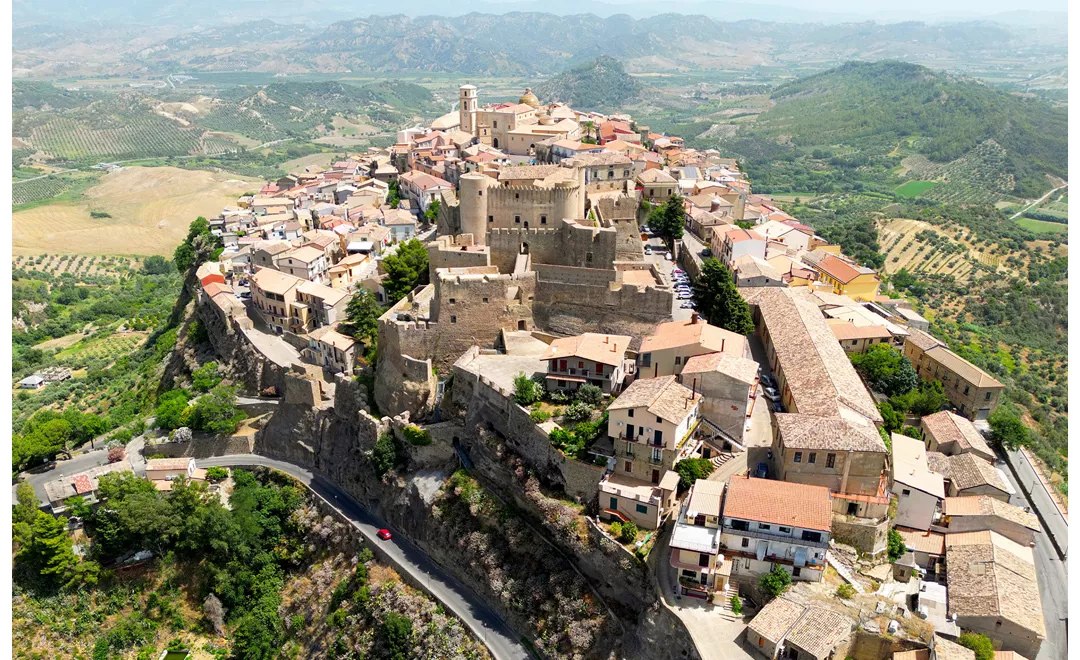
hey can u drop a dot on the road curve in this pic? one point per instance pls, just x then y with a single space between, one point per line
484 623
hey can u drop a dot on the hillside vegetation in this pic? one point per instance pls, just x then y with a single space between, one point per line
854 124
600 83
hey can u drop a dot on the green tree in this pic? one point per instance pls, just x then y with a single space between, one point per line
393 194
206 377
526 391
886 370
980 644
692 469
41 444
896 545
927 399
169 413
216 412
431 214
23 514
718 300
1008 428
155 265
396 635
387 454
775 582
362 317
893 420
258 635
669 219
406 269
192 251
50 549
628 533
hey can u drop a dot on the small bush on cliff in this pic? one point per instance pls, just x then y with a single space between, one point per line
206 377
629 533
216 412
845 591
196 333
216 473
388 454
170 409
897 547
590 394
775 582
416 436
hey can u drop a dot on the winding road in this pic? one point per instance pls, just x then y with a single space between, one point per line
484 623
1036 202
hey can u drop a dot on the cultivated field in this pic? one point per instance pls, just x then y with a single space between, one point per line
1041 226
150 210
921 247
914 188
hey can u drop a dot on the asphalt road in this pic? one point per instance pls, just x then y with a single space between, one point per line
1053 579
665 266
501 641
79 463
1057 524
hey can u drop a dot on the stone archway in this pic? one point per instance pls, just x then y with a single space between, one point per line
495 142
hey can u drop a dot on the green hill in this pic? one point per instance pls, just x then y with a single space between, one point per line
599 83
869 116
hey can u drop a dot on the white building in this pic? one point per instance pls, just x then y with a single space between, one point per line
919 490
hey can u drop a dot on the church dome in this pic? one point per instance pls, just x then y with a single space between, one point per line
529 99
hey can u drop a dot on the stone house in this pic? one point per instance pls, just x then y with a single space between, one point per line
345 273
858 338
993 590
967 475
770 523
591 358
652 426
847 457
167 469
265 254
786 629
273 293
422 188
729 390
731 242
83 484
317 305
951 434
927 548
695 542
918 489
402 225
980 513
666 351
751 270
307 263
973 391
332 350
656 185
607 172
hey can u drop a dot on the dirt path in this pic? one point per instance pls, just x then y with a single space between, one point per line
1037 202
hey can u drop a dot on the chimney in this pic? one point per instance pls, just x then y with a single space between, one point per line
714 205
722 340
694 319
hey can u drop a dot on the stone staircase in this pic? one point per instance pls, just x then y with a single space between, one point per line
724 457
722 604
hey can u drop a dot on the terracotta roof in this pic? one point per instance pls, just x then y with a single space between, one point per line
986 579
939 463
911 468
82 484
214 288
655 176
775 619
817 371
819 630
1008 655
914 654
275 281
846 330
932 543
950 428
662 397
425 181
923 340
737 367
328 335
970 471
686 333
167 463
841 270
962 368
779 502
705 497
306 254
947 650
605 349
984 505
750 265
799 431
328 295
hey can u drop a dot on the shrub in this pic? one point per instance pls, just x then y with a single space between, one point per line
692 469
736 605
558 397
416 436
206 377
590 394
216 474
628 533
897 547
615 529
539 416
845 591
980 644
775 582
116 454
526 390
577 412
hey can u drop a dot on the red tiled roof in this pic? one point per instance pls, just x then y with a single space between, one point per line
779 503
82 484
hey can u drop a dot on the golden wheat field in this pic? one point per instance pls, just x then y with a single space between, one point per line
150 209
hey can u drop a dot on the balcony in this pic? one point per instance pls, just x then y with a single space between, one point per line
776 536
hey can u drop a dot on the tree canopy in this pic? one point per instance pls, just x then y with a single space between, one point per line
668 219
886 370
718 300
200 245
362 317
407 268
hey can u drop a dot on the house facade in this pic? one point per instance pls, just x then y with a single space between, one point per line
273 293
331 350
974 392
695 542
666 351
919 490
590 358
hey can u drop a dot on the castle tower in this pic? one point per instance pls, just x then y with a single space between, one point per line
466 108
473 204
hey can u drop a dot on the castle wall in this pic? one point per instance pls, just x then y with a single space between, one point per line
566 244
571 301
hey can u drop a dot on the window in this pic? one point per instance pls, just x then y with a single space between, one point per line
813 537
678 360
494 124
812 458
630 412
830 460
452 301
580 365
646 360
543 219
491 218
764 526
702 559
798 457
740 525
485 301
967 388
517 195
659 420
905 492
657 454
641 508
517 219
988 394
453 319
629 449
795 572
614 504
628 466
746 543
479 193
785 530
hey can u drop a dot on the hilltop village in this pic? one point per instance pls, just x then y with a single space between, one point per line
551 315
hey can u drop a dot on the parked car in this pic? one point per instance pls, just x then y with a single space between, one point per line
678 271
685 295
766 379
668 256
771 393
384 534
762 470
777 407
689 304
648 249
706 252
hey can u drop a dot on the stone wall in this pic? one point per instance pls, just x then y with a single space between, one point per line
865 536
201 447
576 306
564 242
863 645
246 364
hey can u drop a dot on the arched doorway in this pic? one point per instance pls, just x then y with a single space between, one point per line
525 246
495 142
526 224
